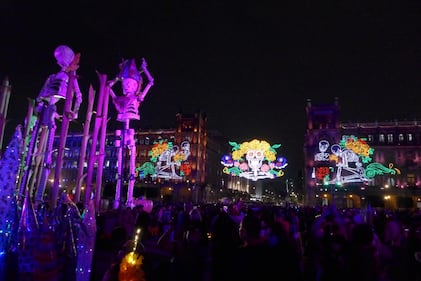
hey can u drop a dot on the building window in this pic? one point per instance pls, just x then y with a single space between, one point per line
400 137
390 138
370 138
410 138
410 179
381 138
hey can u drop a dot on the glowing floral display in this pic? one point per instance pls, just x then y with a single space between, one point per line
254 160
358 146
168 161
348 158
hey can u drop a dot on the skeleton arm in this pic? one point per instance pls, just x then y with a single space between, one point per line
150 80
114 97
110 84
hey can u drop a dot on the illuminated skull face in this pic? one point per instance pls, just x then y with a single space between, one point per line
64 56
255 158
130 86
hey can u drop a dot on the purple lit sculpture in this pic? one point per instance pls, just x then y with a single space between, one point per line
127 106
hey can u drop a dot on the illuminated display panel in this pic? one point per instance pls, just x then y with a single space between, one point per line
347 162
254 160
167 161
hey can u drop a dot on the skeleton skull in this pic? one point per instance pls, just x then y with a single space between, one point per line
64 56
255 158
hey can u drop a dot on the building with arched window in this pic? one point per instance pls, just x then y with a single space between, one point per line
186 167
353 164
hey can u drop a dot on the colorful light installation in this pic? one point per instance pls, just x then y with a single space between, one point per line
254 160
168 161
348 159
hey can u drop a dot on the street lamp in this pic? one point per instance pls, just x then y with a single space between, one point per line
332 187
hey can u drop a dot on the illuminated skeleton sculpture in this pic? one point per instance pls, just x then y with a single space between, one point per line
127 106
55 89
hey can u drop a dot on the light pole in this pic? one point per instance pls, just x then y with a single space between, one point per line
332 194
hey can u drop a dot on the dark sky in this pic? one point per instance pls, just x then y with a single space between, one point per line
250 65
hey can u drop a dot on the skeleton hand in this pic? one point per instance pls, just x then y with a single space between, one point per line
40 106
70 115
112 82
144 64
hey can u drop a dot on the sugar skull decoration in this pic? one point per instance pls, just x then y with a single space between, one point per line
254 160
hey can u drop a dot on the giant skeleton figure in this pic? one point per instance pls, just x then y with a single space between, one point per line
54 90
127 106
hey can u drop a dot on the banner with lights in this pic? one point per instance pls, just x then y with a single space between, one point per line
347 162
167 161
254 160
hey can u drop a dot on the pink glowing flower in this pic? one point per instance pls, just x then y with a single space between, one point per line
244 166
265 168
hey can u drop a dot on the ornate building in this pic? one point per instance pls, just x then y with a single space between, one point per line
353 164
186 165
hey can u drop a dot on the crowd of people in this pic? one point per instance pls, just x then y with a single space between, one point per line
239 241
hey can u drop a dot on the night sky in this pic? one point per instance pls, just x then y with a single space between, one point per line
250 67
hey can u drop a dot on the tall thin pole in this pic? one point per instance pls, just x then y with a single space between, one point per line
332 194
30 126
84 144
119 143
38 158
27 163
63 137
103 134
93 154
4 103
132 159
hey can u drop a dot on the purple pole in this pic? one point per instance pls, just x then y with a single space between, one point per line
84 144
119 143
63 136
92 154
5 96
103 134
